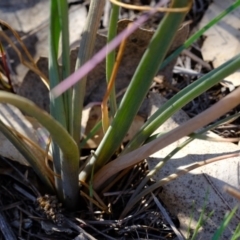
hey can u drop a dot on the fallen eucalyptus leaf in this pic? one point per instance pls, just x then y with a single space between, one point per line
222 40
24 15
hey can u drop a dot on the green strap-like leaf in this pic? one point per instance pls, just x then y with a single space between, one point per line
69 149
138 88
85 53
37 165
110 58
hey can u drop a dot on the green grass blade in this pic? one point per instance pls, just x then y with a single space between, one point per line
202 220
34 162
199 33
69 150
236 234
137 89
181 99
110 59
190 221
57 105
63 19
85 52
57 108
224 224
91 134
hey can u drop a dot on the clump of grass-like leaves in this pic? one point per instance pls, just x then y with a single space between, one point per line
67 93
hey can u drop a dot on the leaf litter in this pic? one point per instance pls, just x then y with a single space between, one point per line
145 220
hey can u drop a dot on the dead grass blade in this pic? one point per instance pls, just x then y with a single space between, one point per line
31 64
91 200
99 203
132 158
147 8
173 177
233 192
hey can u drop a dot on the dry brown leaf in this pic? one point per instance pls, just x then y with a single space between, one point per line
223 39
24 15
